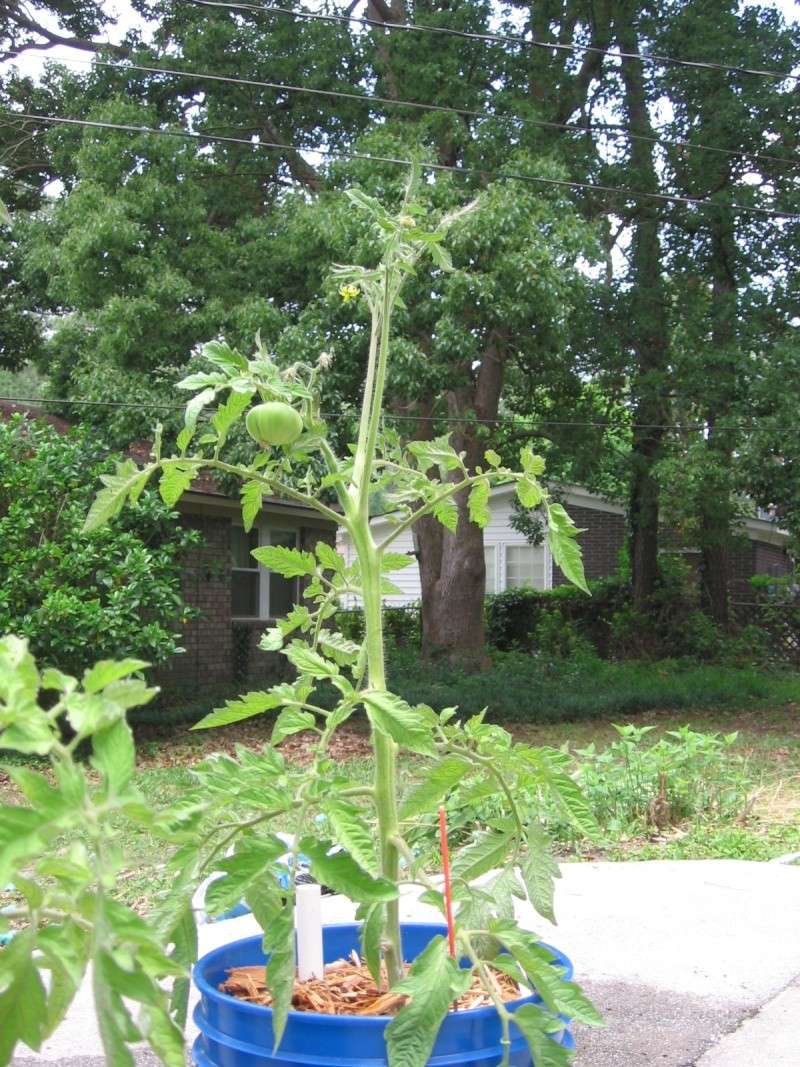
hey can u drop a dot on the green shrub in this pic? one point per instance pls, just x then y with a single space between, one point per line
633 785
401 625
563 621
513 617
558 638
79 598
526 688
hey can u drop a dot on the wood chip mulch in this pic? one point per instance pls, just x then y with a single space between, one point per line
177 746
348 989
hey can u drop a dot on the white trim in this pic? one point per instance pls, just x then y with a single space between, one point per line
494 554
574 495
766 532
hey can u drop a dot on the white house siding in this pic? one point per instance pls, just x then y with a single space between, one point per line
604 524
498 537
406 579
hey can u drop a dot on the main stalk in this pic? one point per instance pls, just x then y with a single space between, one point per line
384 748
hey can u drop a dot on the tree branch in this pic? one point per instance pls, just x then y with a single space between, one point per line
53 40
301 169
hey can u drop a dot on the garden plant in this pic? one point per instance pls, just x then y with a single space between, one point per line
60 847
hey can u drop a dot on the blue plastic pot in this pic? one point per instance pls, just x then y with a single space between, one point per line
234 1033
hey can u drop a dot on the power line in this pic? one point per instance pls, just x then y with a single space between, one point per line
501 420
500 38
616 130
479 172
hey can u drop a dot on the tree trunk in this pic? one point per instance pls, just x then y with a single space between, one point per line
451 566
716 513
453 581
648 323
643 515
716 569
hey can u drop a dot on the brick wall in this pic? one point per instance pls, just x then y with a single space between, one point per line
207 639
771 559
605 536
219 651
252 666
600 544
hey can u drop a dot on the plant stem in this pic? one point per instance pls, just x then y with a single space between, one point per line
450 490
47 913
376 403
360 474
490 987
385 781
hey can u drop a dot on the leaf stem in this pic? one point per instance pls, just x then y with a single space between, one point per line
294 494
237 829
426 509
491 988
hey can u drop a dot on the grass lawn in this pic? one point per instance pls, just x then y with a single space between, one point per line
767 827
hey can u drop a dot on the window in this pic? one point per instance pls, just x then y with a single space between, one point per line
257 593
245 574
526 567
490 559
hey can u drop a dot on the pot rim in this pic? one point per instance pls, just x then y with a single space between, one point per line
314 1018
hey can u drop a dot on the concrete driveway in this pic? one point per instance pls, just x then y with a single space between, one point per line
681 957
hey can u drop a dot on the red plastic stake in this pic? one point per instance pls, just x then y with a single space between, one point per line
448 888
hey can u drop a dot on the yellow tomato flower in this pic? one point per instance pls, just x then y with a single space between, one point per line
349 293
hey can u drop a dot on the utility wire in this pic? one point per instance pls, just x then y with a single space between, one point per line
501 420
500 38
612 129
562 183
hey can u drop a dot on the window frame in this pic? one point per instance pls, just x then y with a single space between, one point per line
548 564
265 530
490 585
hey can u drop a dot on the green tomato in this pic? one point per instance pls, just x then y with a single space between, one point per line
273 423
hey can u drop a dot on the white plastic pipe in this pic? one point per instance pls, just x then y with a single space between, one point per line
308 923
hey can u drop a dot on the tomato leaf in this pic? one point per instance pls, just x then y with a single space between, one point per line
344 875
434 981
409 727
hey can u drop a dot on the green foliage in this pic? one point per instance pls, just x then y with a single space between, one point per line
433 983
25 382
514 617
115 261
560 622
77 598
64 837
518 687
401 625
633 785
